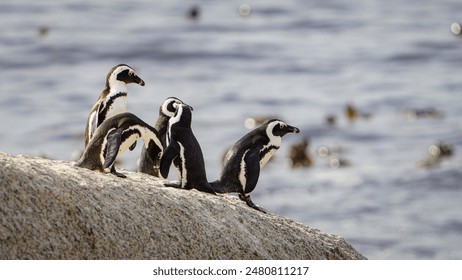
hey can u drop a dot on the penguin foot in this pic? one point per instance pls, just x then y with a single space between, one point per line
118 174
261 209
250 203
172 185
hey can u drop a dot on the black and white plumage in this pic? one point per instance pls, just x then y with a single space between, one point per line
166 111
248 156
113 137
184 149
113 99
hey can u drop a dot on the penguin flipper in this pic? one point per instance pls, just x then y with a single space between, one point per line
172 151
252 172
114 139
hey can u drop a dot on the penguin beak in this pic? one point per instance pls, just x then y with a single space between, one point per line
292 129
138 80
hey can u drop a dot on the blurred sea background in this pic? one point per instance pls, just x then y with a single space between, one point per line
388 180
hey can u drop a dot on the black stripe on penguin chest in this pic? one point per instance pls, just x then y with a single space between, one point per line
109 103
128 133
266 153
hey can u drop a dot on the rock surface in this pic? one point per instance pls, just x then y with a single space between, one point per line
52 210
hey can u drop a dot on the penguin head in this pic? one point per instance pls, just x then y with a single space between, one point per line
167 107
182 116
278 128
123 73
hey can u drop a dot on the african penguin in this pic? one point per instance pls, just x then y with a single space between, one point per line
247 157
184 150
166 111
113 137
113 99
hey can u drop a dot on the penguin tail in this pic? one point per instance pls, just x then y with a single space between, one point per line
217 186
207 188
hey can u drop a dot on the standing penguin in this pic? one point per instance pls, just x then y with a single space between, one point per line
184 149
113 137
247 157
166 111
113 99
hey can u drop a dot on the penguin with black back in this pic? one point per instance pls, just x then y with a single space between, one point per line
246 158
147 164
113 137
113 98
184 149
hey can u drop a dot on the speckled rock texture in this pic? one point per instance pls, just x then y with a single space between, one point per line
52 210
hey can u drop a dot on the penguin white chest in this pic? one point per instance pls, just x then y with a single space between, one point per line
183 171
118 106
243 171
267 154
267 151
128 142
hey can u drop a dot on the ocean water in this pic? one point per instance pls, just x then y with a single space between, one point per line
395 61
